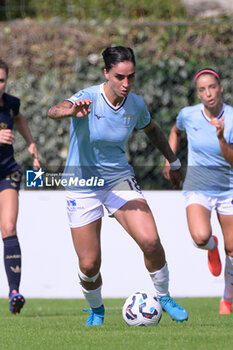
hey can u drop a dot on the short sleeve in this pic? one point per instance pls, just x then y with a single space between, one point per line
16 107
180 121
78 96
13 104
144 118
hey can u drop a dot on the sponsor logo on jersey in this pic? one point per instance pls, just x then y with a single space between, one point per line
99 116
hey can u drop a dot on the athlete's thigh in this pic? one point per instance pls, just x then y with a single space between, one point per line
198 218
86 240
137 219
8 210
226 222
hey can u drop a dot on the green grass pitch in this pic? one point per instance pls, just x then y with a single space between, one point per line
59 324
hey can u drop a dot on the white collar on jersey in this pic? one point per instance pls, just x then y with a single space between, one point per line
107 101
218 117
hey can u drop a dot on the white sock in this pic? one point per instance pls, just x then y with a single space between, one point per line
228 290
93 297
160 280
210 245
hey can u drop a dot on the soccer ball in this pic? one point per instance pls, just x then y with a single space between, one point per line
142 309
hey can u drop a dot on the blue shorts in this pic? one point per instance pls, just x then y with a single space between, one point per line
11 181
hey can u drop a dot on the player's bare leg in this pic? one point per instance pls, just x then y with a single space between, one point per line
198 218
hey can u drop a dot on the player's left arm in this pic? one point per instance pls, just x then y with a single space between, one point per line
159 140
23 128
226 148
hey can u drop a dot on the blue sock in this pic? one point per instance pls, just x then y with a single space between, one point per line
12 261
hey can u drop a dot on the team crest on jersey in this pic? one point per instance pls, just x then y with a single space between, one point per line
126 115
127 118
3 126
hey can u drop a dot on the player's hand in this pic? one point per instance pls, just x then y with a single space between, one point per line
81 108
176 177
6 136
219 124
33 151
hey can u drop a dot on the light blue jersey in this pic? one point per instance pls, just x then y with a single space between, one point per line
97 152
207 171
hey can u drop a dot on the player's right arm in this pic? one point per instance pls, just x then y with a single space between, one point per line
174 141
80 108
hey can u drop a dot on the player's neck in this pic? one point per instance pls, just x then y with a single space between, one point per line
213 112
111 96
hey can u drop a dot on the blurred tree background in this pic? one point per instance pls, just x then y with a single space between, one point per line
99 10
54 49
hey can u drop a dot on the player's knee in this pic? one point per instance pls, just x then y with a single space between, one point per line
8 229
200 237
89 268
200 241
151 246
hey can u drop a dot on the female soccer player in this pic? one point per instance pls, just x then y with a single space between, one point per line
102 119
208 183
10 177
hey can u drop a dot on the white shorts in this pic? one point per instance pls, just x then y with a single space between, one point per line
84 208
221 205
